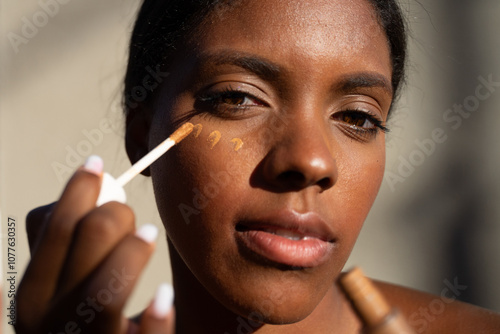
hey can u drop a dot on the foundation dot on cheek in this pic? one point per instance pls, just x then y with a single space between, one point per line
197 130
214 138
238 143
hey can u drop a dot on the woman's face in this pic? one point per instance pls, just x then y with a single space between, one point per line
305 87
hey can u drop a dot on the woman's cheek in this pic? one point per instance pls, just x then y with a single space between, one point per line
360 177
207 176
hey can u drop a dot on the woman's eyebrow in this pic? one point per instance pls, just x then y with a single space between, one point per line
262 67
270 71
352 82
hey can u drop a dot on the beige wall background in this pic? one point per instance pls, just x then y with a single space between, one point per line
432 222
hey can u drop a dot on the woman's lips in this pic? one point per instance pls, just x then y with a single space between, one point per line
289 238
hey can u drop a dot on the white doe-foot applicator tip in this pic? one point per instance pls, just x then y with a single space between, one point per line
111 190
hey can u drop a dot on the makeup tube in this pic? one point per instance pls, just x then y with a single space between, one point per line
377 315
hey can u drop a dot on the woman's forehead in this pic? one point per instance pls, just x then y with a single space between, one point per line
306 35
309 22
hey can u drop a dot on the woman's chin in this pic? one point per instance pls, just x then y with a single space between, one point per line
262 312
286 298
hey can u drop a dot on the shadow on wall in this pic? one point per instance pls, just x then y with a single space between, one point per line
459 183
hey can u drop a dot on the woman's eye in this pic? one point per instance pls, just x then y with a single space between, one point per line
357 119
360 123
228 102
237 99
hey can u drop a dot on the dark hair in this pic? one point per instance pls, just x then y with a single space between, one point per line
392 22
162 26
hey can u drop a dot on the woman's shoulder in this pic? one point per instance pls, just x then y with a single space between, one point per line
443 313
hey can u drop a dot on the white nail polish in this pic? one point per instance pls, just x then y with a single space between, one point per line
147 232
94 164
164 300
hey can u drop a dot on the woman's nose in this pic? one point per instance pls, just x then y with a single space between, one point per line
300 157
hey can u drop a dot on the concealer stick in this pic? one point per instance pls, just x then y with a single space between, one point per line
376 314
112 189
155 153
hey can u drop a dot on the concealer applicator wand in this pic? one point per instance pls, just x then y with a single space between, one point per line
377 315
112 189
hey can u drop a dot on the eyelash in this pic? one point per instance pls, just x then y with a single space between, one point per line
365 116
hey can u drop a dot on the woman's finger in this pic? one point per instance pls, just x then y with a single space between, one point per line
159 317
110 286
95 237
35 224
41 276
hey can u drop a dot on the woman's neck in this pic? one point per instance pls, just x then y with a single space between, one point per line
197 311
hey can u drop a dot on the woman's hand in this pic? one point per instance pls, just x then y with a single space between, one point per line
85 261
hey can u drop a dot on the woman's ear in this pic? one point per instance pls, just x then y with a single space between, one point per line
138 124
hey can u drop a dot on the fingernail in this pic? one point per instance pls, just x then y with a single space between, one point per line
164 300
94 165
147 232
